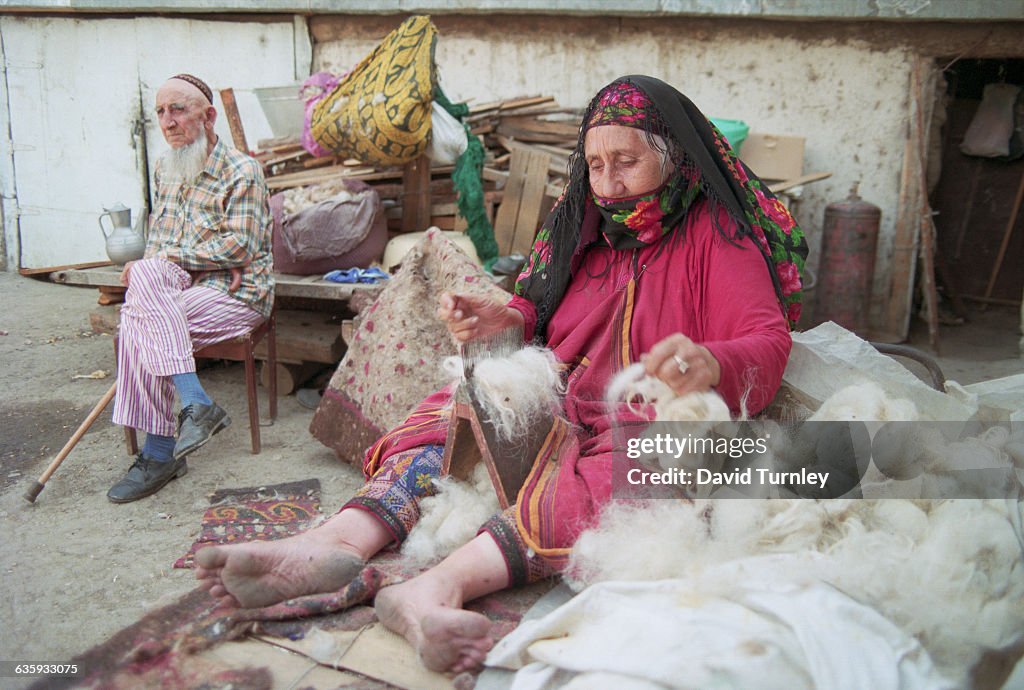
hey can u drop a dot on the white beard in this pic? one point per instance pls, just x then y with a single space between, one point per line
185 163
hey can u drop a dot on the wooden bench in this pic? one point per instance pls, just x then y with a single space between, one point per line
307 339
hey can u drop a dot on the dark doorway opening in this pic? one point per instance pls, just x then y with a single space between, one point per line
980 236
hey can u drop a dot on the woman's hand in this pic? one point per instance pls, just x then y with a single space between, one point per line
682 364
469 317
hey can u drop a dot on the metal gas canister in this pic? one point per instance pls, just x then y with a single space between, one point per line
847 266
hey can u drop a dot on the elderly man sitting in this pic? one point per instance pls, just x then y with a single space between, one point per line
206 277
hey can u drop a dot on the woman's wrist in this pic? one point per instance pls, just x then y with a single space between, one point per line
713 366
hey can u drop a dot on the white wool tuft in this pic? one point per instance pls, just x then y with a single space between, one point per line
635 388
865 402
949 572
519 390
452 368
451 517
324 647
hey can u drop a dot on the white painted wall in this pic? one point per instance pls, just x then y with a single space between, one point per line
848 100
77 86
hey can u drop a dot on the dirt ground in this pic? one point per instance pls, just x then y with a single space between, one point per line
77 568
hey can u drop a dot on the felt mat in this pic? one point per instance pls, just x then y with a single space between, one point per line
259 513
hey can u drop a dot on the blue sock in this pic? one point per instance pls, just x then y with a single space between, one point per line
190 390
159 448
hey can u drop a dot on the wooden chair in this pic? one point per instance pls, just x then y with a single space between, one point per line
240 349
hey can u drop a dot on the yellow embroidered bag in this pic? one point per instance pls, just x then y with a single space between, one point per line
380 112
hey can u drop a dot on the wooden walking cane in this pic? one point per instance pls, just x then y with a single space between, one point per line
37 487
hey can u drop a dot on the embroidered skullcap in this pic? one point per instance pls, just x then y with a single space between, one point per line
621 103
198 83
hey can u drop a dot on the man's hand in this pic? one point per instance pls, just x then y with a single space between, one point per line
236 277
469 316
125 273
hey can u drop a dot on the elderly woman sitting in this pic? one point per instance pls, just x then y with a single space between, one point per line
660 251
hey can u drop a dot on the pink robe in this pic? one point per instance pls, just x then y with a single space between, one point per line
717 293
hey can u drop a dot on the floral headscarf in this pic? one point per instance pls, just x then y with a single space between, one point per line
705 164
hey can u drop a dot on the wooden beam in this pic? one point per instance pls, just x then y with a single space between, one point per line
416 195
508 212
286 284
931 296
1006 238
66 267
227 97
531 201
896 318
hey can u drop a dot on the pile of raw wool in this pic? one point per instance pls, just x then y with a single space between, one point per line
299 198
948 572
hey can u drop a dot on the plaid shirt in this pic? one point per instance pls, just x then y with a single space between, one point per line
219 220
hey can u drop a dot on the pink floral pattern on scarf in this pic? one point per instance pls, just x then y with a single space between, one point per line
624 105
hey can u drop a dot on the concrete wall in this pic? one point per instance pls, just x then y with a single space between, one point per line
914 10
844 87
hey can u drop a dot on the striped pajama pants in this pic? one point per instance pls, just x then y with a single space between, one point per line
163 321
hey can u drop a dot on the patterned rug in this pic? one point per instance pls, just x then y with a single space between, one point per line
188 645
261 513
193 644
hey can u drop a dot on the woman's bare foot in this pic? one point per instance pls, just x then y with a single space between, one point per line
427 612
263 573
324 559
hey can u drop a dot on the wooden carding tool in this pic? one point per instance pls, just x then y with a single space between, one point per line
472 437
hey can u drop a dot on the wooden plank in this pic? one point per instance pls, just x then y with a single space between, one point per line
315 176
99 275
783 185
566 127
319 162
1006 238
525 102
66 267
290 375
530 204
896 319
416 195
511 104
317 288
304 177
306 336
541 136
290 156
287 285
111 295
508 213
557 163
553 190
449 209
927 230
904 252
227 97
